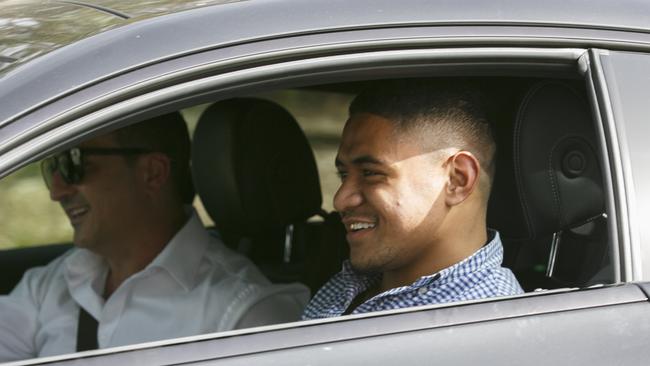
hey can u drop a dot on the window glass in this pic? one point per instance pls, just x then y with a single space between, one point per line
124 194
321 115
28 217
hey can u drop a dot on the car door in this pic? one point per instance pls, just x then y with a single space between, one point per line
600 326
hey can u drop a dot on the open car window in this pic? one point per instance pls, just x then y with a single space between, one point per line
557 232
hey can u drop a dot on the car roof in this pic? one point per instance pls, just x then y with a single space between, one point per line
128 36
29 29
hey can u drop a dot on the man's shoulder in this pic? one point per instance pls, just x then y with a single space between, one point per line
254 300
506 282
228 267
494 283
198 255
228 263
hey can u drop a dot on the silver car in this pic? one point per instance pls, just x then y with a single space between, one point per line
569 91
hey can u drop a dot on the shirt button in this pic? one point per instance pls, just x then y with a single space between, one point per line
423 291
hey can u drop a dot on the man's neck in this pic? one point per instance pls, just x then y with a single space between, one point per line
119 270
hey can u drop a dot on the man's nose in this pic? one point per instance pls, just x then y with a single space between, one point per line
59 189
348 196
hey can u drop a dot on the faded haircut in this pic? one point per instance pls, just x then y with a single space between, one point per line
437 112
167 134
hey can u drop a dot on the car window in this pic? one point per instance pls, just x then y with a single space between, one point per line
310 252
28 216
321 115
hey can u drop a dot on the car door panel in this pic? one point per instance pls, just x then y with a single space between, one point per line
546 320
582 337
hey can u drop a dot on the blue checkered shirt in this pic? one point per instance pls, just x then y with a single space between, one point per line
476 277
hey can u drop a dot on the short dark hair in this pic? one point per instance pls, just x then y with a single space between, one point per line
444 110
167 134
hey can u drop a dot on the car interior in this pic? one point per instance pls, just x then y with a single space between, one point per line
255 172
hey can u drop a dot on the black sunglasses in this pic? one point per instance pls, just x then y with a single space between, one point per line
70 163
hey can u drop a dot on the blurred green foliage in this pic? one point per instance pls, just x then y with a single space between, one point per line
27 215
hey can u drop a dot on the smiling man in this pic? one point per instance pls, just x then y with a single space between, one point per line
416 164
144 268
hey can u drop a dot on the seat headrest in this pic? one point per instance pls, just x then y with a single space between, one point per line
253 167
558 176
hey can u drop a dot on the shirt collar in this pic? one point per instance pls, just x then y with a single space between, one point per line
85 273
488 256
182 256
364 280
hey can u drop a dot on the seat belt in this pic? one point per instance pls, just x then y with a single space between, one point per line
86 331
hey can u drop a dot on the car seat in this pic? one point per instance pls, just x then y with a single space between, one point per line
256 175
548 198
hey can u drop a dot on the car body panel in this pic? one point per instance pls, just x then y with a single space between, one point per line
628 93
531 340
539 318
154 39
610 151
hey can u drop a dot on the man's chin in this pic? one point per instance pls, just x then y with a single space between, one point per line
364 267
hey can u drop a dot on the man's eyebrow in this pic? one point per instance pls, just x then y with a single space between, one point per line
360 160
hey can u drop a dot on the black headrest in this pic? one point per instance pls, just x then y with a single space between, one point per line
556 166
253 167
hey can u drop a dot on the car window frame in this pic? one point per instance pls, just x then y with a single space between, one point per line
90 119
123 105
616 74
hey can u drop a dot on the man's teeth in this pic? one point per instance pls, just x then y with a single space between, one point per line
78 211
361 225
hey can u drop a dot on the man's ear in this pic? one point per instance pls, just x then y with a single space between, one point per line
155 171
464 170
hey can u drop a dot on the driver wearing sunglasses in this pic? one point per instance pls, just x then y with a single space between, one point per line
69 164
143 267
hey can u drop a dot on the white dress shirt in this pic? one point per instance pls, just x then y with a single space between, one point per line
195 285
